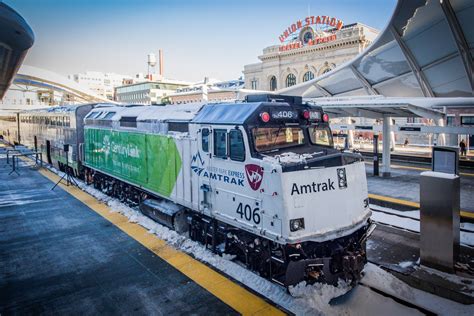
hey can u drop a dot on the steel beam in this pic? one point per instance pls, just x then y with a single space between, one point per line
415 68
460 39
368 87
322 90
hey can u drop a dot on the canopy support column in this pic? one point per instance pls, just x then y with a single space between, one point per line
386 147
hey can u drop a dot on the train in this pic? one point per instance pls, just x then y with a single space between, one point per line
257 179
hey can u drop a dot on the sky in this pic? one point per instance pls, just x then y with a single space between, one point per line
208 38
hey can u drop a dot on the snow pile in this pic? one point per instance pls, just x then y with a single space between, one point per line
378 278
406 264
319 294
288 157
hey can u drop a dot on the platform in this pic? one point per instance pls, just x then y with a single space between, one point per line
59 256
402 189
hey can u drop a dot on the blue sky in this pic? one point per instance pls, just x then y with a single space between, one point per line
199 38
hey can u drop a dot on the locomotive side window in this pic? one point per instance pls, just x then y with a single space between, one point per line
236 145
275 138
220 143
205 140
320 136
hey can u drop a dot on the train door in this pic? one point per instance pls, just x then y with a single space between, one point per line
48 152
201 166
237 196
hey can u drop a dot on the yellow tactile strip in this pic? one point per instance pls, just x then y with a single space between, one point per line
231 293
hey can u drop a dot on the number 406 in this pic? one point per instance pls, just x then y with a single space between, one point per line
246 211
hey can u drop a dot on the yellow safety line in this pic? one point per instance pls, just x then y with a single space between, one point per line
234 295
419 168
411 204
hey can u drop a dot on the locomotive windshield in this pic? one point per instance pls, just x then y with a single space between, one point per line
275 138
320 136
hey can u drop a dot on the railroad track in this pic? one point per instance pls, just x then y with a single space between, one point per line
408 217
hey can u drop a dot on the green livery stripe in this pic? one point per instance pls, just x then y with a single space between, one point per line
148 160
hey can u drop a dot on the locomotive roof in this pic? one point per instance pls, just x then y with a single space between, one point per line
200 113
234 113
179 112
61 109
226 113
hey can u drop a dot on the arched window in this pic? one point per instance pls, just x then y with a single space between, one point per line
326 70
308 76
273 83
290 80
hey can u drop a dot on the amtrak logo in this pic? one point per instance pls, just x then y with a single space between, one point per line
196 162
215 173
254 175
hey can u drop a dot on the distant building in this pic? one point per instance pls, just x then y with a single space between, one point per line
148 92
102 84
210 90
305 52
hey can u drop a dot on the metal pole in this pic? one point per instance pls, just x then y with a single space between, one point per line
386 147
376 155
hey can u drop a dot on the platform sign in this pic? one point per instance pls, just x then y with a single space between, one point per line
445 159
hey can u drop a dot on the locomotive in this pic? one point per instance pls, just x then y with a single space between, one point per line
259 180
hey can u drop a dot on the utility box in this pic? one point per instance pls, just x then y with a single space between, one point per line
439 220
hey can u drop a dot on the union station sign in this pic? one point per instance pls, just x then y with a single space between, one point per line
311 31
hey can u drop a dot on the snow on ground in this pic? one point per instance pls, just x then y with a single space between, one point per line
406 264
467 238
318 299
380 279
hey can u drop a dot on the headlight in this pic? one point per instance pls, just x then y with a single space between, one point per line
296 224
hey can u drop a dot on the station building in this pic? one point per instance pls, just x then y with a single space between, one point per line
148 92
101 83
307 49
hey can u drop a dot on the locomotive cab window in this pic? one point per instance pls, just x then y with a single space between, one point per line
205 140
320 136
220 143
276 138
236 145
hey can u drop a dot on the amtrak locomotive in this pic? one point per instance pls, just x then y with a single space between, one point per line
258 179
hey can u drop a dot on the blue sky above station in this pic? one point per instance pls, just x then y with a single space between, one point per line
199 38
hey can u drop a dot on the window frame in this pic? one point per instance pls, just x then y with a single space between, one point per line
469 117
215 139
273 83
325 128
202 139
260 151
240 159
290 80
